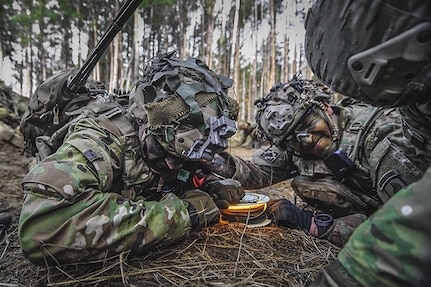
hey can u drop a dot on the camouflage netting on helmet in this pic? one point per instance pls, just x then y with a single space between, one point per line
376 51
167 76
180 95
285 107
172 109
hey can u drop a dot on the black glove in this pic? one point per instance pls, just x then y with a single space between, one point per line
225 191
284 213
5 220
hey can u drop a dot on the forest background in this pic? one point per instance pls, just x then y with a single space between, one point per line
256 43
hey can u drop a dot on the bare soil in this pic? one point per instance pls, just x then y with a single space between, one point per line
15 270
221 255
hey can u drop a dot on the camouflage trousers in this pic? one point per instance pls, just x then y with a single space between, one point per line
98 225
391 248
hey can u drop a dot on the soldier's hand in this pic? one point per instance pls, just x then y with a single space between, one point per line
284 213
225 191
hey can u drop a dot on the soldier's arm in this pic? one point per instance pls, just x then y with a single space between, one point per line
382 247
393 160
268 166
70 213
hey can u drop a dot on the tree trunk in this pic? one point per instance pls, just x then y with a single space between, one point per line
115 57
138 43
96 73
286 64
272 43
224 48
1 58
243 113
235 51
180 31
209 33
294 62
254 91
28 70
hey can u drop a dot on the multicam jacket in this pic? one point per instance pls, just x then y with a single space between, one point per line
392 247
372 138
97 196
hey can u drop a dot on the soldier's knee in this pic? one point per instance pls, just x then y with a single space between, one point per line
28 240
32 229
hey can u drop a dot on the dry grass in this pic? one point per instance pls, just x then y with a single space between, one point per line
222 255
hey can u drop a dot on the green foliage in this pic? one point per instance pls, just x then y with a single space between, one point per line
165 25
246 11
148 3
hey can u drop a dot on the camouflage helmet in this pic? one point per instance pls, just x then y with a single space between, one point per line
185 106
377 51
284 109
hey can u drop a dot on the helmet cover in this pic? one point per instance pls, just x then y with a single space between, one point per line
286 106
377 51
185 106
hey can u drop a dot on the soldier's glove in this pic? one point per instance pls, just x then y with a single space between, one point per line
284 213
202 209
5 220
224 191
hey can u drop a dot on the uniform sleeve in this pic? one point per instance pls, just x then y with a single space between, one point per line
70 214
393 247
268 166
392 159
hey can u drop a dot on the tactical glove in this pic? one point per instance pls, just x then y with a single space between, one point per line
224 191
202 209
5 220
284 213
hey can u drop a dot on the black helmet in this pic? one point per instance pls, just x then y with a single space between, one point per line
378 51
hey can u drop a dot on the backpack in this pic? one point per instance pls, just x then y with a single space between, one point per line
49 109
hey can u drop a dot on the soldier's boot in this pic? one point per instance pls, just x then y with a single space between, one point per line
5 220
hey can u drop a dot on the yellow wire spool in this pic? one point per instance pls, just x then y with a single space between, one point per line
250 210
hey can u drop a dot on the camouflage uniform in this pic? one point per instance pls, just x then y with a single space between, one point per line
389 249
381 56
113 186
11 109
381 148
73 201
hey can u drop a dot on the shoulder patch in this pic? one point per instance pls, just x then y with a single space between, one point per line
269 156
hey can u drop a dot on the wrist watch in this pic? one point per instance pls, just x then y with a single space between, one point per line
323 222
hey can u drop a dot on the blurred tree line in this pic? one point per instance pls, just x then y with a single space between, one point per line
254 42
